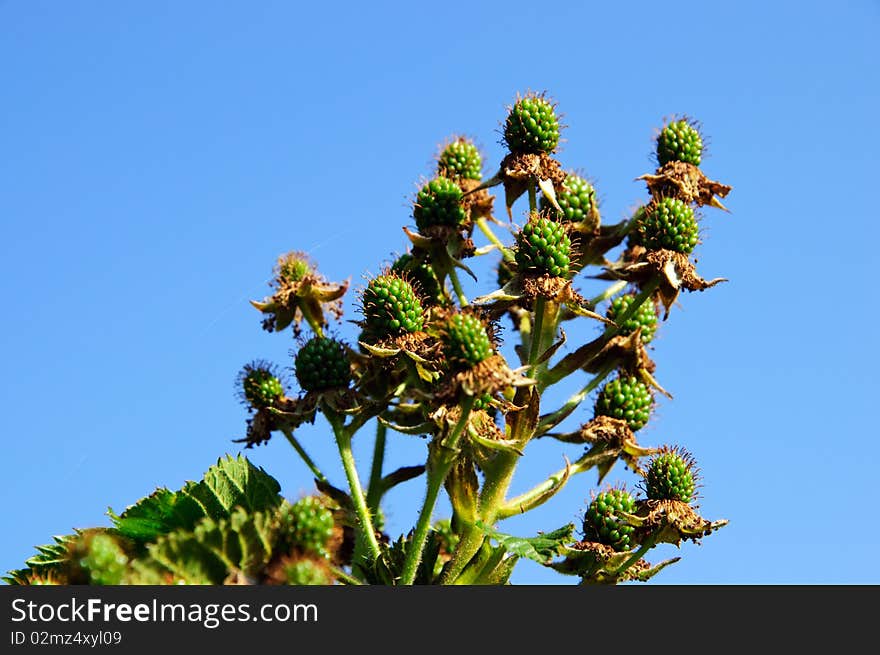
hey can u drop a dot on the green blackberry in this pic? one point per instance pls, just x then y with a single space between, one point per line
305 571
543 245
322 364
466 341
293 267
105 562
460 160
679 140
438 204
308 525
603 523
391 307
483 402
671 476
626 398
645 316
668 224
259 385
417 269
532 126
578 201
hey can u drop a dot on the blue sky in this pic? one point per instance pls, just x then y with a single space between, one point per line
158 157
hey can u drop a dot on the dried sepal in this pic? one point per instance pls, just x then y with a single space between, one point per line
300 293
686 182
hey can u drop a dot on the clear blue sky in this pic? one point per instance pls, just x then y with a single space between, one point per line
158 156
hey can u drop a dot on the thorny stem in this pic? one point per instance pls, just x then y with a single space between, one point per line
343 441
446 455
537 331
303 454
344 577
374 487
485 229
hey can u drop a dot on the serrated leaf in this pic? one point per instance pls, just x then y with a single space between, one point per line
49 558
214 551
232 482
541 549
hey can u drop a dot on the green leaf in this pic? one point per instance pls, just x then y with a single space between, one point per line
240 545
232 482
541 549
50 558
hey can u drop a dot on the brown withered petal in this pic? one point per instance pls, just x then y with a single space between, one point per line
686 182
672 521
477 201
492 375
673 270
518 170
305 299
615 438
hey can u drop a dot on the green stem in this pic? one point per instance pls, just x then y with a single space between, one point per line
533 196
344 577
537 332
304 455
374 488
343 441
436 476
618 286
494 240
648 545
456 285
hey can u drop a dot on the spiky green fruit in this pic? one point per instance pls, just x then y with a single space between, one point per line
627 398
671 476
603 522
577 199
105 561
645 316
294 266
438 204
466 341
532 126
322 364
306 571
421 272
668 224
391 307
679 140
460 160
543 245
308 525
259 385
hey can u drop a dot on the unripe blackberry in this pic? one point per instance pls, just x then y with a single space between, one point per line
321 364
679 141
602 522
308 525
626 398
420 272
645 316
260 386
466 341
482 402
306 572
293 267
671 476
460 160
391 307
532 126
105 562
668 224
577 200
438 204
543 245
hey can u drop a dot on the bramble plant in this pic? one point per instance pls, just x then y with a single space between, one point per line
428 362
